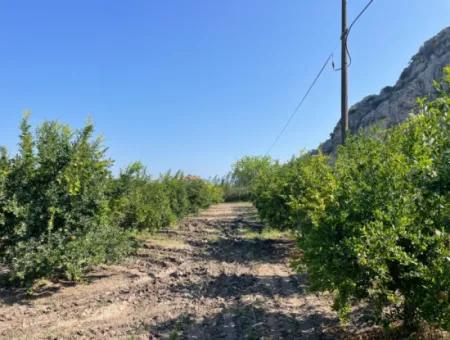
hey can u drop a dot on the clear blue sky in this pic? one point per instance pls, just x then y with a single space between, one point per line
195 85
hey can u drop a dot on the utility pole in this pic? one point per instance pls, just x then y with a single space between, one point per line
344 74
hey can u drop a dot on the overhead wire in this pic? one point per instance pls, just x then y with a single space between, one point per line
330 57
299 105
347 33
358 16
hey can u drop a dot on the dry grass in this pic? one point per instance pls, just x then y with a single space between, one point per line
167 242
266 234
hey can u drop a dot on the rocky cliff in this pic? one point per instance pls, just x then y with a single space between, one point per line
395 103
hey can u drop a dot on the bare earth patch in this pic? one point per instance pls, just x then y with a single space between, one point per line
212 277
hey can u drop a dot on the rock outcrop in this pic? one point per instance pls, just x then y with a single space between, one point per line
395 103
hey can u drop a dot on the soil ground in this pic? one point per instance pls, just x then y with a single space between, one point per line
215 276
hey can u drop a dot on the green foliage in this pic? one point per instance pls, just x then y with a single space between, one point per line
55 204
201 194
246 170
176 189
58 254
230 191
280 190
214 193
240 183
139 203
61 211
375 225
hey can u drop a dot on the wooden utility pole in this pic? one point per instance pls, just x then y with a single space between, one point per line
344 74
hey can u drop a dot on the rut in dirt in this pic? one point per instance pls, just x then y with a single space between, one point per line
215 276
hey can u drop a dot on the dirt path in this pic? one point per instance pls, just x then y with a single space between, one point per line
210 278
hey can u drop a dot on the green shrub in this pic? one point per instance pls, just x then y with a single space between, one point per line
383 235
55 206
176 189
140 203
246 173
61 210
375 225
4 171
58 254
277 190
270 196
198 193
215 193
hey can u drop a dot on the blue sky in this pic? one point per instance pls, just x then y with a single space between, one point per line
195 85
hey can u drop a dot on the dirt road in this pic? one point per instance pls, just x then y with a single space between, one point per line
212 277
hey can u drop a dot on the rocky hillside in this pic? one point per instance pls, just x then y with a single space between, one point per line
395 103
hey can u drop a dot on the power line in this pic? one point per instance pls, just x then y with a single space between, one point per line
330 57
300 103
357 17
347 33
350 27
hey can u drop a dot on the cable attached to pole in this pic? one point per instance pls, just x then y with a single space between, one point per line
347 33
330 57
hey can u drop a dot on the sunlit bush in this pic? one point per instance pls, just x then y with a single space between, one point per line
62 211
54 205
374 225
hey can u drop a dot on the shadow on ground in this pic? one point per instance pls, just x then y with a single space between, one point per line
248 250
11 295
235 286
242 321
230 247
